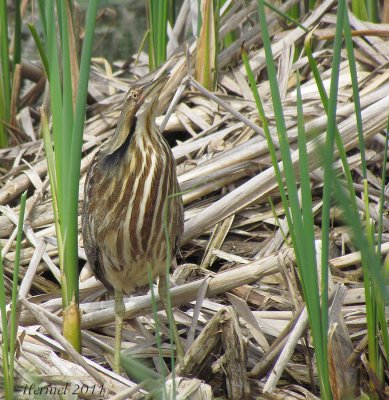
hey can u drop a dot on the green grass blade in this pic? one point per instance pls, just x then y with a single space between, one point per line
358 7
328 160
3 134
269 138
56 101
151 47
71 238
156 322
371 304
5 337
8 340
381 307
307 273
288 171
17 35
285 16
372 7
280 121
157 23
68 124
5 79
324 100
354 81
374 307
368 254
308 229
5 67
338 140
206 47
50 157
147 378
67 102
42 14
171 12
40 48
382 194
13 324
162 31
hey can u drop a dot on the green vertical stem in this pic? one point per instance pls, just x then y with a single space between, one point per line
157 16
157 329
162 31
169 306
205 54
307 273
371 270
371 310
17 35
13 329
328 174
42 13
3 134
50 158
6 74
4 328
372 10
68 125
56 101
67 111
382 194
71 247
216 13
171 14
354 80
151 47
358 7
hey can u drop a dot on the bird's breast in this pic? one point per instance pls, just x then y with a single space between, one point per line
131 207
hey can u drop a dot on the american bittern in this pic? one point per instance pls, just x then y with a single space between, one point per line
133 214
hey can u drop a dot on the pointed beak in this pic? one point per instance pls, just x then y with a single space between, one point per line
154 87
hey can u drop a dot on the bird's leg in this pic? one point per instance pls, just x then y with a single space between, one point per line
119 316
163 294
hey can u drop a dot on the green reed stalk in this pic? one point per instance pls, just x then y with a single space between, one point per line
358 7
17 53
299 217
300 224
13 324
68 123
9 339
5 79
372 277
157 18
207 46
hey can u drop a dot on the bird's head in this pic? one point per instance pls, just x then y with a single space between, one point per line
141 101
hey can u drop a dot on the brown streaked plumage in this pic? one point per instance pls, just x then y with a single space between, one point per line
129 184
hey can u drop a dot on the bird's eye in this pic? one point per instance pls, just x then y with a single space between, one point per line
134 95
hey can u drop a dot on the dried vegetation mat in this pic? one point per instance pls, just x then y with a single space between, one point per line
237 296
